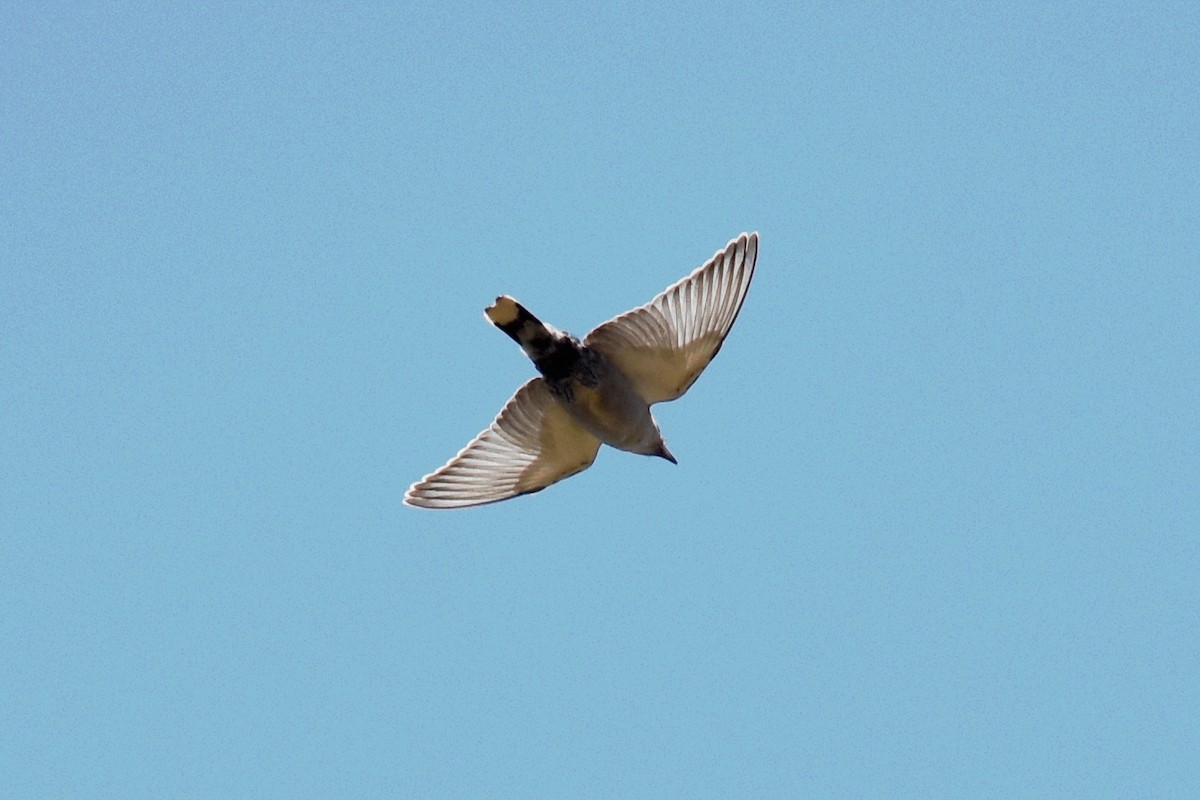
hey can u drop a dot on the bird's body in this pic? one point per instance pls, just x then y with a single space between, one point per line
598 390
589 386
611 410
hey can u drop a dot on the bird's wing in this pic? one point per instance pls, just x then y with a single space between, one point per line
664 345
532 443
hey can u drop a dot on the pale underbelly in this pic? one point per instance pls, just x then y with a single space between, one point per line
617 418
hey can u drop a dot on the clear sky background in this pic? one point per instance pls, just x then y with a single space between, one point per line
935 528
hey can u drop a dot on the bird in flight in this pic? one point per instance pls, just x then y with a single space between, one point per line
596 391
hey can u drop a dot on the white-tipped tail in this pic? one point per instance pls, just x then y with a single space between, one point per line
504 312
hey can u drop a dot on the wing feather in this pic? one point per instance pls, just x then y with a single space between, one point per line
532 443
664 345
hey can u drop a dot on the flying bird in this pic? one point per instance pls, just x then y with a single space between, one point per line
596 391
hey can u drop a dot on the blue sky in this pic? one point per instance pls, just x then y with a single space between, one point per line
933 532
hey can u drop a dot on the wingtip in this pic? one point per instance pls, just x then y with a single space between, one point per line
411 499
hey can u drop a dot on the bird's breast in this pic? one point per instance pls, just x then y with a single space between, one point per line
606 404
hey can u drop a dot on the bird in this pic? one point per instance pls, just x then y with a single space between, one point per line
597 390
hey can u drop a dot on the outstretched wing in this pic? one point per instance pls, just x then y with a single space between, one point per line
664 345
531 444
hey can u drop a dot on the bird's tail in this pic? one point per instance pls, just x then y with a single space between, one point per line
525 329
